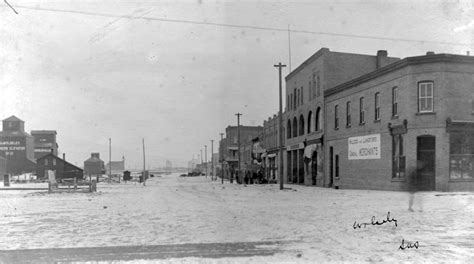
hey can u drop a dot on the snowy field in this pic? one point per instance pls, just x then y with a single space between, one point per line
310 224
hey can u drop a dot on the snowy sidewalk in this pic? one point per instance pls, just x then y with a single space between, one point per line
317 223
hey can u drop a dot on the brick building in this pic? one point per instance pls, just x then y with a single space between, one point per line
416 114
304 111
45 142
271 144
228 147
17 146
62 168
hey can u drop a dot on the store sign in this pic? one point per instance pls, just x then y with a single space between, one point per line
10 147
365 147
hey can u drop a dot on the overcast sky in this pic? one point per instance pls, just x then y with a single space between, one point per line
129 70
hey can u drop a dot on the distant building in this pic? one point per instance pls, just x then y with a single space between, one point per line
117 167
17 146
94 166
62 168
271 143
45 142
168 166
229 147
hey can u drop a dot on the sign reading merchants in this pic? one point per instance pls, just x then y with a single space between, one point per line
365 147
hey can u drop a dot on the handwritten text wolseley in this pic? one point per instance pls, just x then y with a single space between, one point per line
373 222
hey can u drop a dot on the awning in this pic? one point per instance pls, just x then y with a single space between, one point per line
272 155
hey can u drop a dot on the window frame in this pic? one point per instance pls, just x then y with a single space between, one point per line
395 101
348 114
420 98
377 107
361 111
336 117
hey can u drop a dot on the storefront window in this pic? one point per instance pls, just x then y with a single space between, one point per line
398 163
461 164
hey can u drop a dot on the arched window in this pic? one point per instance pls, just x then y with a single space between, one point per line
295 127
318 119
301 132
310 116
288 129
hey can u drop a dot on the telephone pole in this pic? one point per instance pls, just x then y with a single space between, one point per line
238 143
205 157
144 167
110 158
212 160
280 166
221 155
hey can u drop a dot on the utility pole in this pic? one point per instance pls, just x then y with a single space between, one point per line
212 160
205 157
110 158
221 155
144 167
280 166
238 142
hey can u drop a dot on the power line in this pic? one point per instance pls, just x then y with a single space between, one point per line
98 14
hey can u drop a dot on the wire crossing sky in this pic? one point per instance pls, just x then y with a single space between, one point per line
176 72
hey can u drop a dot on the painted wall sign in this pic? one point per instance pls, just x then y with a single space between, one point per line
364 147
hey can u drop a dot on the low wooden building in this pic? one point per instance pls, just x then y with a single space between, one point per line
62 168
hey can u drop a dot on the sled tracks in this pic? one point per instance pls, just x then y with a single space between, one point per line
153 252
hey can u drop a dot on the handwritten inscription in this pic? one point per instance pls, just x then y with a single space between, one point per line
407 244
374 222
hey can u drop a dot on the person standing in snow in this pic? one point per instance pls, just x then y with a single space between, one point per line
413 183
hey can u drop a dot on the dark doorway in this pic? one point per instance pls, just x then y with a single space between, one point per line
331 166
314 167
426 156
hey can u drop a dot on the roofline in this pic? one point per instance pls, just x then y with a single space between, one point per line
13 116
313 57
51 154
398 65
43 132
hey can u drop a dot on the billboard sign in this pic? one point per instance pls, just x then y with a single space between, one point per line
364 147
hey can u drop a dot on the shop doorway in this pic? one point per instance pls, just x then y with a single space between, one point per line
426 155
314 168
331 166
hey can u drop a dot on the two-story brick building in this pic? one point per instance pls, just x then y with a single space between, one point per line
304 115
229 147
414 114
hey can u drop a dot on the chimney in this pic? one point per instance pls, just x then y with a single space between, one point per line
64 156
467 53
429 53
381 59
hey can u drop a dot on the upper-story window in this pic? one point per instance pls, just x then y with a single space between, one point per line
336 117
318 85
377 107
54 162
310 94
425 97
348 114
302 97
314 84
395 101
294 99
361 111
472 106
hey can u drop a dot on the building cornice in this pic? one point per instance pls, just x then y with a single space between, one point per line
449 58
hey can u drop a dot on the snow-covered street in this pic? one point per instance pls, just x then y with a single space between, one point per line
301 224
